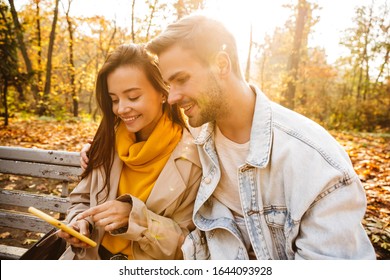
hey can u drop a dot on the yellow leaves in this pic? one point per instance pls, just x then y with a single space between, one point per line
10 187
47 134
4 235
374 225
370 156
28 241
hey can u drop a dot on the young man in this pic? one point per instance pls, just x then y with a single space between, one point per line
275 184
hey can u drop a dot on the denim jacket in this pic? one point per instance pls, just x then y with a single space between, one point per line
300 196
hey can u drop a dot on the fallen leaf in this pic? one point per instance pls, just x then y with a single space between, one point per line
5 235
29 241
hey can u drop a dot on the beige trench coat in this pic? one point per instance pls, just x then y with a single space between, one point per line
158 227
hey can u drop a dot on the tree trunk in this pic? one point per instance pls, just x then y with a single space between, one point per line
382 67
180 9
248 61
71 64
106 50
151 19
5 103
39 44
366 57
23 49
46 91
262 71
293 64
132 21
19 79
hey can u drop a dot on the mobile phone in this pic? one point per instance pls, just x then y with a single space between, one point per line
61 226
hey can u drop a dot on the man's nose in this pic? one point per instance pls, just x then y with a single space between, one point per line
174 95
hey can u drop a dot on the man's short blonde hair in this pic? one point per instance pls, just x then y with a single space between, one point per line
200 34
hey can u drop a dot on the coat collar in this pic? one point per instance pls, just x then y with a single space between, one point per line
261 132
170 184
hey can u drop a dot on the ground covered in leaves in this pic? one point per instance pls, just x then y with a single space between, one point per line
370 155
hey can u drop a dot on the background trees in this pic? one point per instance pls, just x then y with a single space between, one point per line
353 93
50 59
366 76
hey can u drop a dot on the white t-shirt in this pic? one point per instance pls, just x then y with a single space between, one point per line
231 155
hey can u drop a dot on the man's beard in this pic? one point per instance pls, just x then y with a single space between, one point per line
211 103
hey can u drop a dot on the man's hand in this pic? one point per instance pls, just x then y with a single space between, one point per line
83 155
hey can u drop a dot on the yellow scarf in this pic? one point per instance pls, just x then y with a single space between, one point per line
143 163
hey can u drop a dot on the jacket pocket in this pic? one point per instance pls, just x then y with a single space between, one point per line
195 246
276 220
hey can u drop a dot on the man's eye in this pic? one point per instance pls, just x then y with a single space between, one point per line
182 80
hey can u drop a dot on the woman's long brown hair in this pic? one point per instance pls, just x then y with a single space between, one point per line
102 151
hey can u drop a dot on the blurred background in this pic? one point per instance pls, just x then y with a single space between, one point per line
327 59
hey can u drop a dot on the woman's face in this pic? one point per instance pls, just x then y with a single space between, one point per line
135 100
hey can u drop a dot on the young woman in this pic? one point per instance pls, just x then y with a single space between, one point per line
136 195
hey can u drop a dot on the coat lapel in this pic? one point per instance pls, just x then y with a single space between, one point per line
170 185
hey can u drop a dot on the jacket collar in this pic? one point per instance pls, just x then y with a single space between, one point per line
261 132
171 178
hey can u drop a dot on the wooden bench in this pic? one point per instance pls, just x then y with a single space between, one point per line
58 165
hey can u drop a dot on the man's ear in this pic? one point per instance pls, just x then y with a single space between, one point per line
223 63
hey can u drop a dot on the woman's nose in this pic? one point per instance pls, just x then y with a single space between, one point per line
124 107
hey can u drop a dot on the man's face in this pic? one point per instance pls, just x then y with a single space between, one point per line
193 86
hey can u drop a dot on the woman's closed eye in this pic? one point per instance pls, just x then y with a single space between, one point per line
133 98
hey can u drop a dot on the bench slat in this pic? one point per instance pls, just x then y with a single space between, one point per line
11 252
23 221
66 173
40 155
24 199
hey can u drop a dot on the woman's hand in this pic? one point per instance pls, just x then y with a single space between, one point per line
111 215
81 226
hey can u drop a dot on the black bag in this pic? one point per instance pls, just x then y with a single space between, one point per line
49 247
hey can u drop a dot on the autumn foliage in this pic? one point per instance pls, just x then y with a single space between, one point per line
370 155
